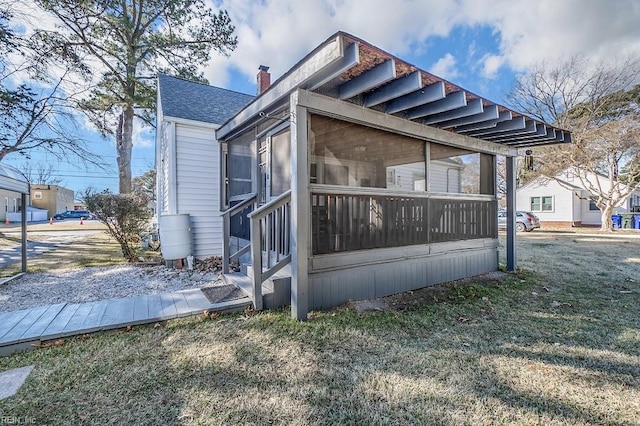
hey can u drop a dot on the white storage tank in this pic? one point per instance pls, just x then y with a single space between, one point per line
175 236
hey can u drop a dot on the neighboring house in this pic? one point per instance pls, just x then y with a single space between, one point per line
343 178
52 198
563 201
10 203
188 155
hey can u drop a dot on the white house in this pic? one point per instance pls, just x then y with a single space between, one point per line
564 201
188 155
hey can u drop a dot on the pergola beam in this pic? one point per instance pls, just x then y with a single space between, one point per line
402 86
376 76
489 124
427 94
473 107
490 113
453 100
517 123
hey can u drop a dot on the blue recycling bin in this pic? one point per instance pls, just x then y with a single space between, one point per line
636 221
617 221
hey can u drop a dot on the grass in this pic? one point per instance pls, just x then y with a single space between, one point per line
560 345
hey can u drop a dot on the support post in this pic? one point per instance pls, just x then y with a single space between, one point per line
487 174
300 210
226 251
24 232
256 261
511 214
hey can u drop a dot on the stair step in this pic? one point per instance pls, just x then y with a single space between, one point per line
276 291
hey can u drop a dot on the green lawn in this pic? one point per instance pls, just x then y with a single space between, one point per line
560 345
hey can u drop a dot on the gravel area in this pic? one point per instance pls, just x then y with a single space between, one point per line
98 283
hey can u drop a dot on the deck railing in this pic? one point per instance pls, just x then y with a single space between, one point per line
346 221
270 241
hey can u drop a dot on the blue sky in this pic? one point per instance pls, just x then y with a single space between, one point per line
480 45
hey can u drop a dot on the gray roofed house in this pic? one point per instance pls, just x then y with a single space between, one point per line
188 158
200 102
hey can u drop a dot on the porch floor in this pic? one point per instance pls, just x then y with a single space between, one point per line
26 329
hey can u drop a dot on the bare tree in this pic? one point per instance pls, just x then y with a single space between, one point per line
600 105
40 174
122 45
38 114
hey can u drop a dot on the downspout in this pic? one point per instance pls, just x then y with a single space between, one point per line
172 169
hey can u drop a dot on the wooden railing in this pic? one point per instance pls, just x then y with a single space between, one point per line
345 221
270 241
238 210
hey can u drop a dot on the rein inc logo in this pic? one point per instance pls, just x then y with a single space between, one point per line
17 420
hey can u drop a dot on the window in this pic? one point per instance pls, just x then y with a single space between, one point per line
236 169
453 170
349 154
542 204
592 206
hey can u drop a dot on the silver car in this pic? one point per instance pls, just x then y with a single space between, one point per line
525 221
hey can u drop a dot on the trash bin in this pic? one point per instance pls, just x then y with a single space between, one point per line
617 221
627 221
636 221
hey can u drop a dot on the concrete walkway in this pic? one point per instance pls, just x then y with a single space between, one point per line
26 329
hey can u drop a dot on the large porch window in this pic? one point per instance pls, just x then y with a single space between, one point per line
349 154
384 196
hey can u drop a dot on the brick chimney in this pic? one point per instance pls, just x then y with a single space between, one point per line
264 78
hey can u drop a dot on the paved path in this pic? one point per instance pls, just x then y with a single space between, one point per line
26 329
11 255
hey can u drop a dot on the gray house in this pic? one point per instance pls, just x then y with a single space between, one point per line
357 175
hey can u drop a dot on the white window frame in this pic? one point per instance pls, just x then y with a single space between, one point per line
541 203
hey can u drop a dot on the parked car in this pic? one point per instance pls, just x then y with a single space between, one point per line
75 214
525 221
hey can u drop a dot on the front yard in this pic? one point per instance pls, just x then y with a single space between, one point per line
558 343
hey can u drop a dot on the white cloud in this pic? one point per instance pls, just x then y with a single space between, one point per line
278 33
143 134
445 67
531 32
491 65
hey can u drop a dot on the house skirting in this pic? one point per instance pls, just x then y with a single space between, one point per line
337 279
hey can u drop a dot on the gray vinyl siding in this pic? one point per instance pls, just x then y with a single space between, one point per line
198 187
335 280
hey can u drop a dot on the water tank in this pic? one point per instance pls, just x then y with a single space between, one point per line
175 236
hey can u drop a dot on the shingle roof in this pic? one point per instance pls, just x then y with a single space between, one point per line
200 102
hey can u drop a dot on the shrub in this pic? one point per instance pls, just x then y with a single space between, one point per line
126 217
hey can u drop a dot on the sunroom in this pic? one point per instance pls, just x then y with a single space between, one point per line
357 175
